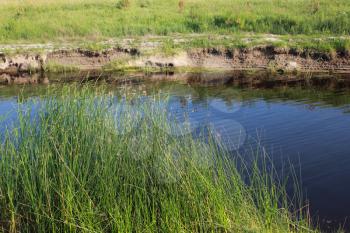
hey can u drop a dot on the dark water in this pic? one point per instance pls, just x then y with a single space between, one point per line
308 127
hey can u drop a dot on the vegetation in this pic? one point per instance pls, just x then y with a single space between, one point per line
84 164
57 68
39 20
123 4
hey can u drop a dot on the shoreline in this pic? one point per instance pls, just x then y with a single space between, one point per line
239 78
186 53
268 58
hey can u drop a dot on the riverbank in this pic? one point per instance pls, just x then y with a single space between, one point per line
153 35
201 52
156 36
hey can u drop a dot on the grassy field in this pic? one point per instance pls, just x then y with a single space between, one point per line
70 168
42 21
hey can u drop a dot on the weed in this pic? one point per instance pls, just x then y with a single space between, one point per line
144 3
315 6
58 68
181 5
122 4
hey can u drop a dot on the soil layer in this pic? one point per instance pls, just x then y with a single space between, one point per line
268 58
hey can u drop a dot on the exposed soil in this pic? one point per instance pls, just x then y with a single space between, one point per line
260 57
269 57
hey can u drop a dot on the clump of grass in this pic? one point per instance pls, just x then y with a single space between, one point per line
92 161
315 6
169 48
181 5
59 68
347 49
122 4
115 65
96 47
144 3
194 20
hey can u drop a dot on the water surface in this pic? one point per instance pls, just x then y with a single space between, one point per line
308 127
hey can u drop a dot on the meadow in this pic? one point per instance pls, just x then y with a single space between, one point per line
62 20
79 164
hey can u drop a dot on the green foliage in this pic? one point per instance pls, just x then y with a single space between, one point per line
315 6
122 4
194 21
58 68
169 48
82 165
85 18
144 3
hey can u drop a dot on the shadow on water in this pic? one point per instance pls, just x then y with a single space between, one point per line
300 120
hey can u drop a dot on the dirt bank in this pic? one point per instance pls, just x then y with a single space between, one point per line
270 58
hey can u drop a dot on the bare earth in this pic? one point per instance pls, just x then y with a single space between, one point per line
146 54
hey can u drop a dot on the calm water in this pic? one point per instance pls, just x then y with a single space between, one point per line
307 127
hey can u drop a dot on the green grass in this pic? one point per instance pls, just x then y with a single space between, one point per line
38 20
57 68
70 169
311 25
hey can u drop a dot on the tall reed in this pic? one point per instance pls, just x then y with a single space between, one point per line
82 163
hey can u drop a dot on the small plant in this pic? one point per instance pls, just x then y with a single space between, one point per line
144 3
169 47
58 68
122 4
116 65
194 20
181 5
332 54
315 6
347 49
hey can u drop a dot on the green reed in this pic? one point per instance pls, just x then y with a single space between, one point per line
84 164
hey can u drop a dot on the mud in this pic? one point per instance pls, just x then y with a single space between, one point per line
280 60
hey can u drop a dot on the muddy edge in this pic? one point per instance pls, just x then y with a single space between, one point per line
281 60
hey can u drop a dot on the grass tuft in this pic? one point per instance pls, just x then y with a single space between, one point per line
122 4
84 163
